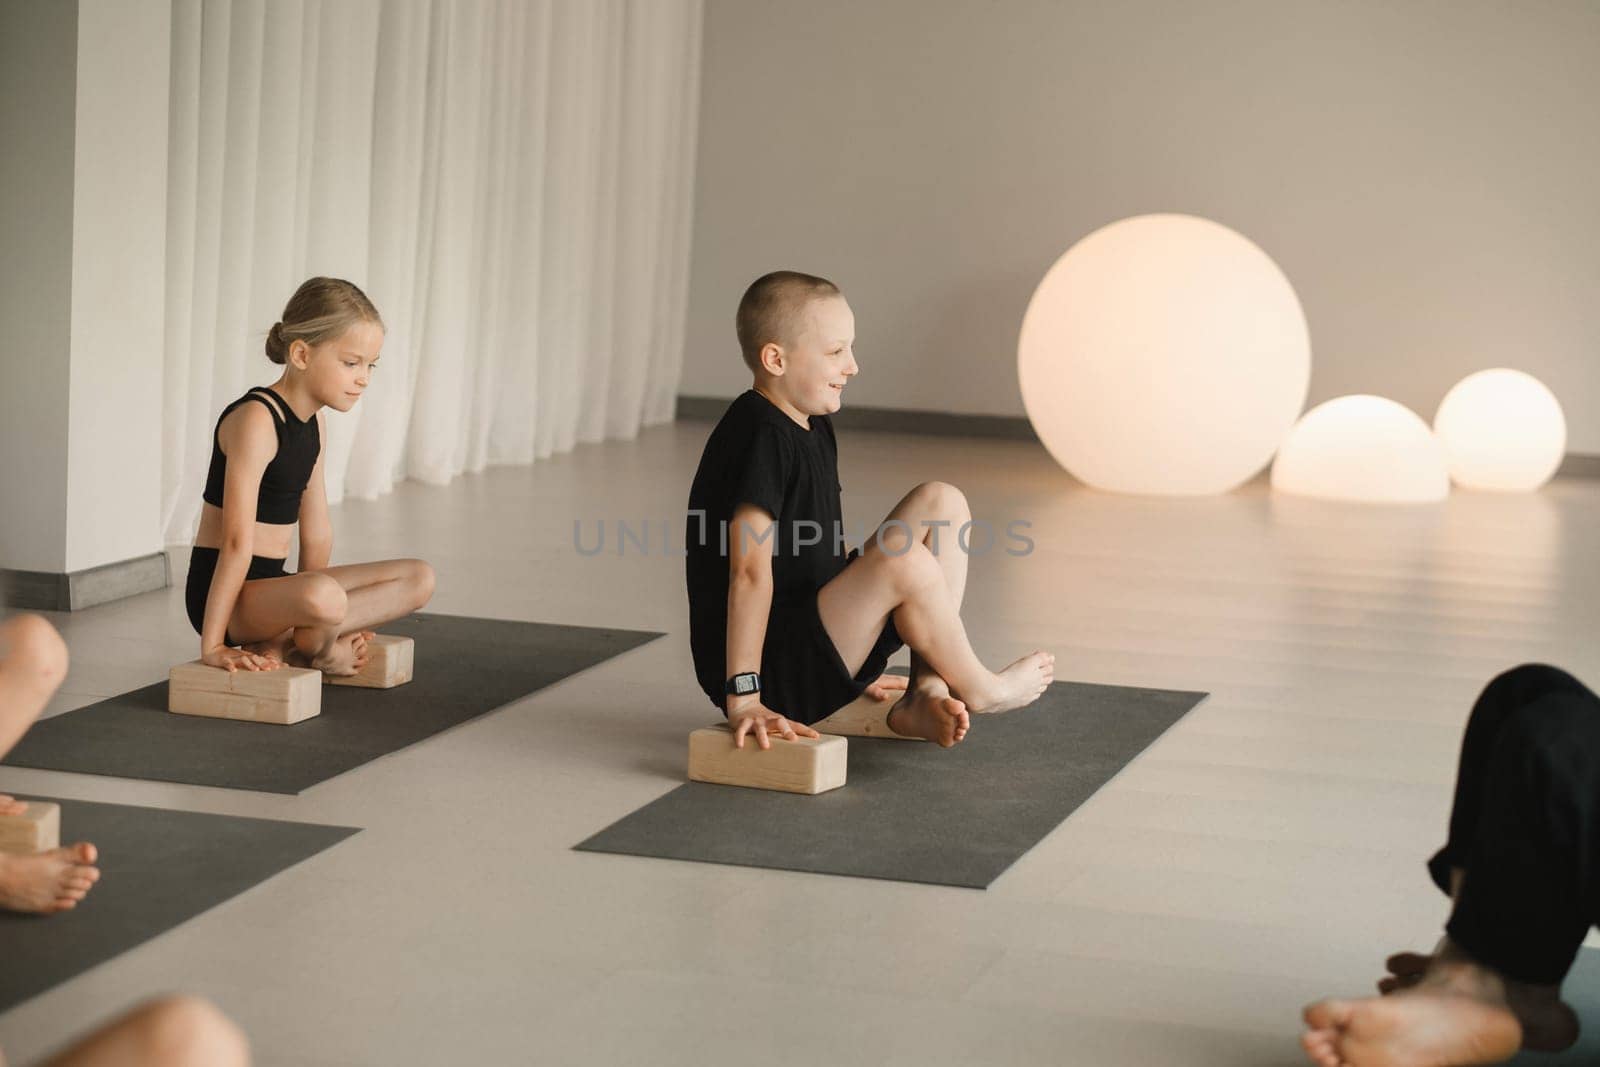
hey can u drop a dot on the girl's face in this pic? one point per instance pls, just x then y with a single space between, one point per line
336 372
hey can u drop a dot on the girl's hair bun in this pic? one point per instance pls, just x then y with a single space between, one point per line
277 347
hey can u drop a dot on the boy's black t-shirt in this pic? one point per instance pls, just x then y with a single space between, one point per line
758 455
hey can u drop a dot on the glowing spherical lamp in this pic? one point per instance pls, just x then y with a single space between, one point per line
1362 448
1501 429
1163 354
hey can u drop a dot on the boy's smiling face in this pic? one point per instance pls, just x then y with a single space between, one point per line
808 376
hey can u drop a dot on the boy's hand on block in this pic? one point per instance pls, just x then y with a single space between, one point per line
758 720
11 805
235 659
887 687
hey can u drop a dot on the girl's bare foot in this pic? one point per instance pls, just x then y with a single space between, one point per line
279 648
1548 1023
11 805
44 883
929 711
347 656
1015 687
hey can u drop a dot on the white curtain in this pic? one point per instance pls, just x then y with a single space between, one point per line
510 181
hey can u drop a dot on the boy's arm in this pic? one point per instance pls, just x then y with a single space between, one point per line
749 603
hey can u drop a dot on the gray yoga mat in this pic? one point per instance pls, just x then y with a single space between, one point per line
464 668
1582 991
911 811
158 869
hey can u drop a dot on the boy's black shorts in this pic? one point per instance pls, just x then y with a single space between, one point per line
803 677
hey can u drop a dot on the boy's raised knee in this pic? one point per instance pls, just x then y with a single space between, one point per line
944 500
324 601
35 646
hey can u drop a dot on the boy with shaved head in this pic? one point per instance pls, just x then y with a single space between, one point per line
786 625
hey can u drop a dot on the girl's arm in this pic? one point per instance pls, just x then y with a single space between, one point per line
316 530
249 440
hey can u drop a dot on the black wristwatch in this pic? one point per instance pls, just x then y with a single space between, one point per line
742 685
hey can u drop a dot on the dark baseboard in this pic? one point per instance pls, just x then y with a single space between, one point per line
1579 465
1009 427
47 591
888 420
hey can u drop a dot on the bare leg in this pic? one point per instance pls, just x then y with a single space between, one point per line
382 592
932 513
33 663
330 611
901 576
171 1032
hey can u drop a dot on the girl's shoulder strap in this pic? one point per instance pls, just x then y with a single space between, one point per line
274 403
266 401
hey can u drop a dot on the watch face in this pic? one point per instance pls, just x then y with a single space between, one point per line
744 683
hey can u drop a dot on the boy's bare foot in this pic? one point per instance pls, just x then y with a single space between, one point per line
347 656
12 806
1405 969
44 883
1548 1023
1015 687
929 711
1458 1014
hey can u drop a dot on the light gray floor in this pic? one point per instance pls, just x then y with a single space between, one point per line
1266 851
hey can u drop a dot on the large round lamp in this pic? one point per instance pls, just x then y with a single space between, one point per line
1163 354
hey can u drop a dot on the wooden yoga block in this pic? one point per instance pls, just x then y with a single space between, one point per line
863 718
35 830
389 662
284 696
798 766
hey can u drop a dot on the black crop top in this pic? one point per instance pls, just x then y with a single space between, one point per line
286 477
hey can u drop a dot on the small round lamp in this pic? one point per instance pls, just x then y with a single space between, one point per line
1364 448
1501 429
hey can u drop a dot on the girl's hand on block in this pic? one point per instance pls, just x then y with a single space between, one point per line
233 659
755 718
11 806
887 687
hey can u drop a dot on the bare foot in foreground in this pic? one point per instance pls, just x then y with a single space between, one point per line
44 883
1457 1015
931 713
1548 1023
1017 686
347 656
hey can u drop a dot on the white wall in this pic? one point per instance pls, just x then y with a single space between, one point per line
36 147
1424 172
118 247
83 100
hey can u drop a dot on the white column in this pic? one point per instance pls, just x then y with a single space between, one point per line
83 112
